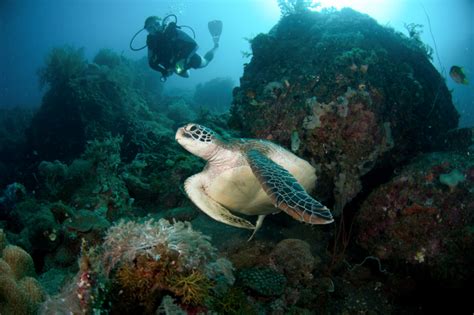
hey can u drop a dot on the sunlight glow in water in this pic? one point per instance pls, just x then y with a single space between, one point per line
355 4
381 10
384 11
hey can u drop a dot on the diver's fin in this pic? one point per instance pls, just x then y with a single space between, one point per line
215 28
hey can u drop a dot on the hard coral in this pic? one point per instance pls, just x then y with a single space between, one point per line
262 281
19 292
19 261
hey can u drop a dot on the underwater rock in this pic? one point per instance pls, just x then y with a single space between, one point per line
360 96
418 220
293 258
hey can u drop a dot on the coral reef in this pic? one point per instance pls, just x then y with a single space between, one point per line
92 193
98 174
85 101
140 263
423 219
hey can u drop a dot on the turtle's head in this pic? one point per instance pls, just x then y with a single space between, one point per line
199 140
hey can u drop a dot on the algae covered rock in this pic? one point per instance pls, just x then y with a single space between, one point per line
293 258
360 96
419 220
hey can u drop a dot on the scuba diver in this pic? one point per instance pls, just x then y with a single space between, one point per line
172 50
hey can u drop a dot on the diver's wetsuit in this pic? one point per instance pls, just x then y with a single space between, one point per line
172 45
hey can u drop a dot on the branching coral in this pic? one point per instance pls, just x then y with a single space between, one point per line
143 281
192 288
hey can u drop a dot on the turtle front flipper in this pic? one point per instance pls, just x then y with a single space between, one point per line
195 190
285 191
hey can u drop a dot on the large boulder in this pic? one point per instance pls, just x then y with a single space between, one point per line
351 96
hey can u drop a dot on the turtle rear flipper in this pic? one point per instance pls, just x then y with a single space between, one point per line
194 187
285 191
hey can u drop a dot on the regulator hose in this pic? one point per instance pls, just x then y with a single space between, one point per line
168 16
133 38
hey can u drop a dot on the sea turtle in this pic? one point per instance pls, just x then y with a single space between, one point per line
251 177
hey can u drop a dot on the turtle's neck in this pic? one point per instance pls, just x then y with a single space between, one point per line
222 155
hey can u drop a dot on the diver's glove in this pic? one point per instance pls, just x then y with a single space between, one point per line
165 73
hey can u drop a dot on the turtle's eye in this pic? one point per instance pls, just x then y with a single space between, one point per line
198 132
